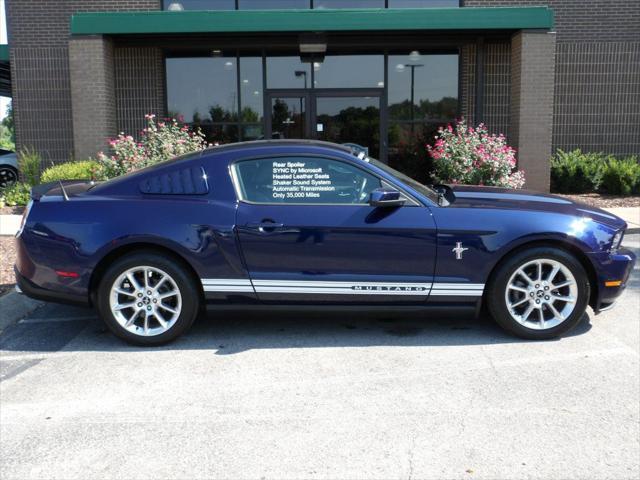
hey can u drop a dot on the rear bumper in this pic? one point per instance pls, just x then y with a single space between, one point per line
615 267
32 290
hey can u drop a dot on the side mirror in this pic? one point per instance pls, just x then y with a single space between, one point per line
385 197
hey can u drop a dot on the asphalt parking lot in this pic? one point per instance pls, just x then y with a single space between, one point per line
322 395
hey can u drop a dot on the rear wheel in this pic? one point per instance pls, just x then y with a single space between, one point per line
147 299
539 293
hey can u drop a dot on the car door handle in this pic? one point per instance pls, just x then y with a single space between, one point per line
265 227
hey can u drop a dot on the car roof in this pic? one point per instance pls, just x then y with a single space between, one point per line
266 144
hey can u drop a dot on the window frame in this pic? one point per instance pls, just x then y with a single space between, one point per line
237 185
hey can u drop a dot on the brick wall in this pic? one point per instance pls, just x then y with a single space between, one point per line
584 20
139 86
38 38
92 93
597 83
531 110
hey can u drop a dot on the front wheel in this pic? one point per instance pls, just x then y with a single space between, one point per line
147 299
539 293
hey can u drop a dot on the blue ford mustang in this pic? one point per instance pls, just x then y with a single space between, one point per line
304 222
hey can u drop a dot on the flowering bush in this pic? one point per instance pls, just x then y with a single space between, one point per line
471 156
158 142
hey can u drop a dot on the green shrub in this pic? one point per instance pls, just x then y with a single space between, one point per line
29 165
84 170
576 172
17 194
621 177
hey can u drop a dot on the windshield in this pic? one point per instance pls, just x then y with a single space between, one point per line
417 186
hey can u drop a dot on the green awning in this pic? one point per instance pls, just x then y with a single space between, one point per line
256 21
4 53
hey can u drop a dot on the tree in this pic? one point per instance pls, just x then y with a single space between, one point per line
7 131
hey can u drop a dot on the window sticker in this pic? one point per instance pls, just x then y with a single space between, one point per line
297 180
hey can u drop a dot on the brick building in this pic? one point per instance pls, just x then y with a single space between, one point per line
380 73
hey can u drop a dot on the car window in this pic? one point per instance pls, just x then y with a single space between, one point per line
304 180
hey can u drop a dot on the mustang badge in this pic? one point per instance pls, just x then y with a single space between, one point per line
459 250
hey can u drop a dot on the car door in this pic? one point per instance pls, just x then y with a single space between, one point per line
308 234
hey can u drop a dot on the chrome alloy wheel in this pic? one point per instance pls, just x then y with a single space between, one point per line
541 294
145 301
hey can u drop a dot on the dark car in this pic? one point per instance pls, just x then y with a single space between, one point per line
304 222
8 168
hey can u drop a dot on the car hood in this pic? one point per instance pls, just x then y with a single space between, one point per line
465 196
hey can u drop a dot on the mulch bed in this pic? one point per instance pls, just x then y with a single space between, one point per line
604 201
11 210
7 259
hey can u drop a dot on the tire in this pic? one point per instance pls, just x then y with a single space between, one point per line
8 176
510 296
154 315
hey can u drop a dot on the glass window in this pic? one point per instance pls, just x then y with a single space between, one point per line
288 72
412 125
350 71
304 180
251 99
423 3
348 4
202 90
273 4
430 80
199 4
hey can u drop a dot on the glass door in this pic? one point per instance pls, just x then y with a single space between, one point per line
352 116
349 117
288 115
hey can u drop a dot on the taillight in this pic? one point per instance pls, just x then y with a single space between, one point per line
25 214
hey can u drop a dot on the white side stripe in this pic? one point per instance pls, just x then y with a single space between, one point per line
343 288
227 285
457 289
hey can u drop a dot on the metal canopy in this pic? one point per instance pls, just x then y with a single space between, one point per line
244 21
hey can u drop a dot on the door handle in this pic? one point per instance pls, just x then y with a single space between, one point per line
265 226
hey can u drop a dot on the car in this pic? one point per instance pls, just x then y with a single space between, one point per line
308 223
8 168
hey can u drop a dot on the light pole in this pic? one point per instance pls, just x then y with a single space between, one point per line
302 73
413 67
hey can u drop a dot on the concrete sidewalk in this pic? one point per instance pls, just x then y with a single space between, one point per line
631 215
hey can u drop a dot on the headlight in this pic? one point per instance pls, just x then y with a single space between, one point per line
617 240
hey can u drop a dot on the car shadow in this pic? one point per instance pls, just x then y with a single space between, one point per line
229 332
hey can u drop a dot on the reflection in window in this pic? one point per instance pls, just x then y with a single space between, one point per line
202 90
288 72
350 120
321 4
434 90
350 71
251 89
423 3
199 4
273 4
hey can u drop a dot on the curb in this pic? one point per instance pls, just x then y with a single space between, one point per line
14 307
9 224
